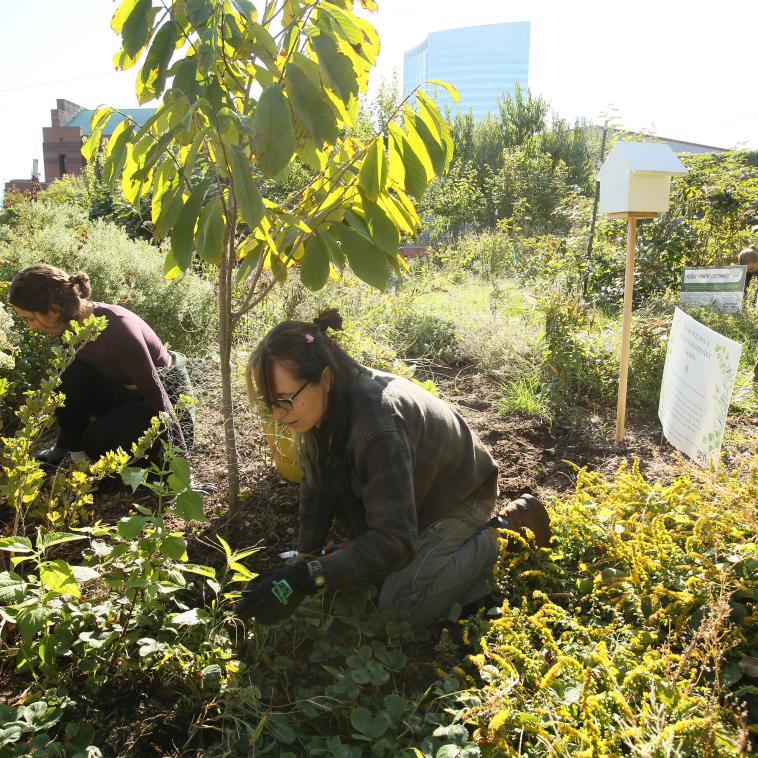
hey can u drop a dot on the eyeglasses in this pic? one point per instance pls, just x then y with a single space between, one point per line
286 403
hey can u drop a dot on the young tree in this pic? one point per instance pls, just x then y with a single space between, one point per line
244 89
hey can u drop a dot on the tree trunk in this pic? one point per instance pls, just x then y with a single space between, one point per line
227 406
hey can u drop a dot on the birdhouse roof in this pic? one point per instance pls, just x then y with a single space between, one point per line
643 157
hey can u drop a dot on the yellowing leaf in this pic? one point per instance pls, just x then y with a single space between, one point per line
97 124
451 90
372 177
57 576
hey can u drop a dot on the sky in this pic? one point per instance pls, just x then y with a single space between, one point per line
682 69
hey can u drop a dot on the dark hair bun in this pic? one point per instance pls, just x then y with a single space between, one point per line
329 319
80 283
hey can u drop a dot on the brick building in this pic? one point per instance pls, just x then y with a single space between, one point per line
62 140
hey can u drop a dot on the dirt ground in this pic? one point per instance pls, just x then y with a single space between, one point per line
533 456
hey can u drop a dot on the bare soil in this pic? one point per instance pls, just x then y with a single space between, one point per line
533 456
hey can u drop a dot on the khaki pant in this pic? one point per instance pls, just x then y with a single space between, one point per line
453 564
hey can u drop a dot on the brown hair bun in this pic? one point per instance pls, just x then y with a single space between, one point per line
80 283
329 319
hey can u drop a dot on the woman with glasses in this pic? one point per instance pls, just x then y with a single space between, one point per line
414 484
117 382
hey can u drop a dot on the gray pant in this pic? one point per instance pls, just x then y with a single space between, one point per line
453 564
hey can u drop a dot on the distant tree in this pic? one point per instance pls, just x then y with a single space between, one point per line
528 188
375 113
576 146
453 202
522 115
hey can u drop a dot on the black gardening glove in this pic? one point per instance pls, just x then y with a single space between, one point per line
273 596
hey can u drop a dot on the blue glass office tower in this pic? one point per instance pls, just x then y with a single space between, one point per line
481 61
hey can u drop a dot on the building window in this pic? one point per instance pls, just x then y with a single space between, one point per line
61 164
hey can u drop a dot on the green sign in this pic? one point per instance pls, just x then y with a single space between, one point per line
719 286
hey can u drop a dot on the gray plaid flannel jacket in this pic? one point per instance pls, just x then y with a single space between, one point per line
412 461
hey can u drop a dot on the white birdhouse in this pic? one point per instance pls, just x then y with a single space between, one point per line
636 178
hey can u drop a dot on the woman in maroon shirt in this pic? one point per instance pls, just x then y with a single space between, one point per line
117 382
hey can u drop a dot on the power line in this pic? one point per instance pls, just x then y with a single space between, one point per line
60 81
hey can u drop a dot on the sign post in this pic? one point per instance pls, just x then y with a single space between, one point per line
626 326
635 182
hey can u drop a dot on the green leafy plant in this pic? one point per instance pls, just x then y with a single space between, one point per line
248 92
625 638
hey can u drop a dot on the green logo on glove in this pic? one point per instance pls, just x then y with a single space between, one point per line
282 590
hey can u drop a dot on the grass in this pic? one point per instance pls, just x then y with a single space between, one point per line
525 397
496 327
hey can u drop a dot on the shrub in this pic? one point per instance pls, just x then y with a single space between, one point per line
627 637
582 356
427 337
122 271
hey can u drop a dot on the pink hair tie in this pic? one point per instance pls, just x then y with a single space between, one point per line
309 339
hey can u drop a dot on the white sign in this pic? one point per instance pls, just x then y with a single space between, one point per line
719 286
697 387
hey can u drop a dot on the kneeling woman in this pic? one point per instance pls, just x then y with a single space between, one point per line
117 382
413 481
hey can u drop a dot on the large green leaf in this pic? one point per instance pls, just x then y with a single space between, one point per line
130 526
311 105
383 230
336 254
116 151
30 620
12 588
183 232
246 9
189 506
418 168
199 11
452 91
372 177
168 211
246 193
133 476
211 232
152 76
414 125
136 28
344 24
185 73
190 618
174 546
431 116
57 538
272 133
16 544
366 260
134 182
314 267
122 13
263 45
58 577
336 68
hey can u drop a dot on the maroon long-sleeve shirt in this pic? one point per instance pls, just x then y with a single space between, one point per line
129 352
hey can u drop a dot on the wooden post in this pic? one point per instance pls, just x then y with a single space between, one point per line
626 329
